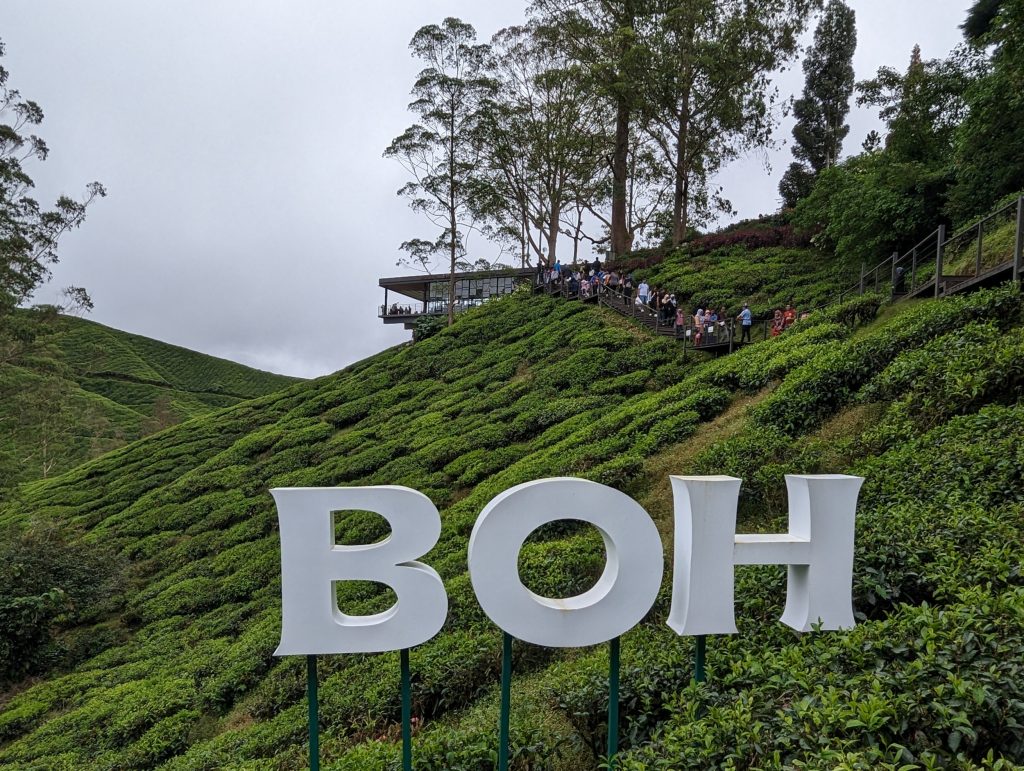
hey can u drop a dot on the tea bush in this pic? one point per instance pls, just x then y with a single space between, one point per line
92 389
529 387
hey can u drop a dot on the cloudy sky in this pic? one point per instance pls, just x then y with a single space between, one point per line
250 212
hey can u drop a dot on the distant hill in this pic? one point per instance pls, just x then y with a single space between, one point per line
94 388
178 672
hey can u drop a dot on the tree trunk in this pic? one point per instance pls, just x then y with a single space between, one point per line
452 221
553 223
681 204
451 275
620 172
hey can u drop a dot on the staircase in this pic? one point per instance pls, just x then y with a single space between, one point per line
714 338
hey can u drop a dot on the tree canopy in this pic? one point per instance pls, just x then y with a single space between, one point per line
822 109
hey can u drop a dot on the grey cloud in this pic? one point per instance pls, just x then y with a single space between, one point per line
250 211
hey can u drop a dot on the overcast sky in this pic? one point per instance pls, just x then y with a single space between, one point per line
250 212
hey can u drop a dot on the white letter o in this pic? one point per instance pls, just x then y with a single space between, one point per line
618 601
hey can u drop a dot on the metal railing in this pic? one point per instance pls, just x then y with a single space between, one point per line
991 245
708 336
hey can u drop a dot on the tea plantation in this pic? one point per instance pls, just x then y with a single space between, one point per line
765 277
172 666
93 388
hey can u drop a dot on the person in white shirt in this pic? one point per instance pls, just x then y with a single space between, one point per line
643 291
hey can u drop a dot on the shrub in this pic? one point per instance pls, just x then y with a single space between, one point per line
48 583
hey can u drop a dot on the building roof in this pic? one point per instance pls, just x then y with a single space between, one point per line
416 287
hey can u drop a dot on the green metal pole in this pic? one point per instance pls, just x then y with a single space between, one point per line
506 700
406 713
698 662
613 701
314 714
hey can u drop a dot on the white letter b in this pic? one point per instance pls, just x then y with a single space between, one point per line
311 561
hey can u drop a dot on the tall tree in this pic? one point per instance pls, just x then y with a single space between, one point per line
708 90
990 140
602 38
924 105
29 233
822 109
891 195
440 152
981 18
540 142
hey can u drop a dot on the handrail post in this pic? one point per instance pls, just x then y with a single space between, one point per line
1018 252
892 269
506 700
938 259
863 267
977 260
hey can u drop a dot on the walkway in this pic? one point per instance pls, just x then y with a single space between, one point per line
986 253
714 338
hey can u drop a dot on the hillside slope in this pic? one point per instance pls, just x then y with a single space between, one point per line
924 402
94 388
767 278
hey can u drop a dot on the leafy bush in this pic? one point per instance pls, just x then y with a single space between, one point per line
47 584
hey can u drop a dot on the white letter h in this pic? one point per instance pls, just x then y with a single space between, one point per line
818 550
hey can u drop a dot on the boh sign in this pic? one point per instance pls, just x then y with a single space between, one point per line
818 550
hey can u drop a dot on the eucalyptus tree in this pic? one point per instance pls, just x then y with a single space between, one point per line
648 194
29 231
708 91
822 109
440 152
540 142
602 37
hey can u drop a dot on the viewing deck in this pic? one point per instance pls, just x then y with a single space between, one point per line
429 293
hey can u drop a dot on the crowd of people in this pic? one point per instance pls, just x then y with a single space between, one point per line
707 326
399 310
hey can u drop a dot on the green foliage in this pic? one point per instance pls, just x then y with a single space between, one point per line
822 109
767 279
888 198
990 161
426 326
47 584
439 151
83 389
924 403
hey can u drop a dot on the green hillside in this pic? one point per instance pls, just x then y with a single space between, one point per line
767 278
91 389
174 668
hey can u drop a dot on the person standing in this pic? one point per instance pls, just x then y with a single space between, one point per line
746 319
643 291
788 317
778 323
